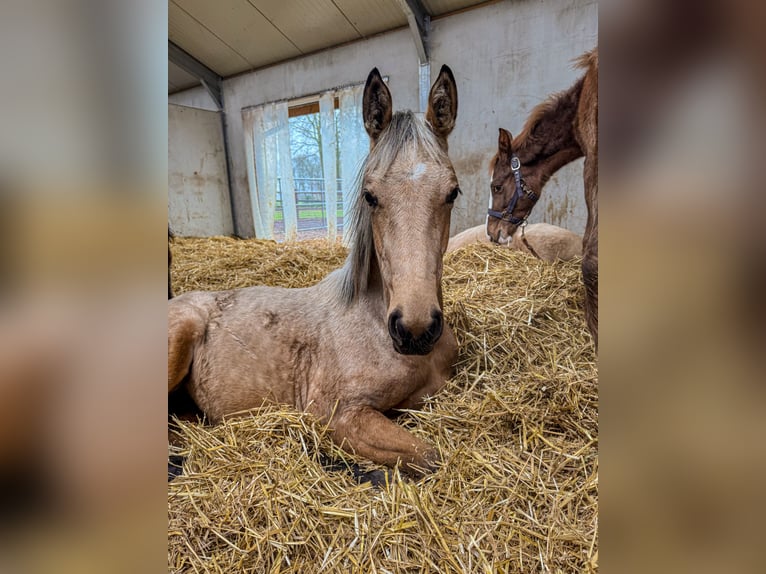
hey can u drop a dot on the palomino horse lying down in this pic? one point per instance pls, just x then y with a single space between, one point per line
369 337
557 132
548 242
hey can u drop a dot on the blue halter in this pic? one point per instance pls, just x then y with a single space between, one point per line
506 215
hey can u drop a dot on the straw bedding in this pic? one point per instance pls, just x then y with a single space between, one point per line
517 428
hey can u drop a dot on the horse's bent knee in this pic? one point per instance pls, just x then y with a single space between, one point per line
368 433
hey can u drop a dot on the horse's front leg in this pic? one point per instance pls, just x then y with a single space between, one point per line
368 433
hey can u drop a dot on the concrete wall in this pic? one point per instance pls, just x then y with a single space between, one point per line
507 57
198 196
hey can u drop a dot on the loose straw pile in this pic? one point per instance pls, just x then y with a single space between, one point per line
517 429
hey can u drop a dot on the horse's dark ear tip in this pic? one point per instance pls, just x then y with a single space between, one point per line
374 73
447 70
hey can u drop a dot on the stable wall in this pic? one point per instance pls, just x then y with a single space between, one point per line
198 196
506 56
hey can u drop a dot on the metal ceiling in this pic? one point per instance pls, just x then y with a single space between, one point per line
233 36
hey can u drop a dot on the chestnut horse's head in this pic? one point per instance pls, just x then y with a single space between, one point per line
510 200
407 191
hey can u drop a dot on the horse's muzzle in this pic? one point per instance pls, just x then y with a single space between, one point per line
406 343
500 237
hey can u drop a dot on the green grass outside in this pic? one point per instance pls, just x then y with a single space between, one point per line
306 214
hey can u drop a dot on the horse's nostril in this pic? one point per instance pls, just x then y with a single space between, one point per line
437 324
408 343
395 327
401 330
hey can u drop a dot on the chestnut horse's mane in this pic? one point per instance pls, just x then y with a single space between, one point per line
407 133
588 60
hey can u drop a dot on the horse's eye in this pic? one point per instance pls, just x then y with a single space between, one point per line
370 199
497 188
453 195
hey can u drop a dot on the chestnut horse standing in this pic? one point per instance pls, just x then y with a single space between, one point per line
557 132
369 337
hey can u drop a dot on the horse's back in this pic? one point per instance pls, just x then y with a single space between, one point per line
244 345
550 242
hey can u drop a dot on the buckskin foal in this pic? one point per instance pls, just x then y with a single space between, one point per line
370 336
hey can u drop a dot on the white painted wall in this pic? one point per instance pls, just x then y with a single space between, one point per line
198 196
507 57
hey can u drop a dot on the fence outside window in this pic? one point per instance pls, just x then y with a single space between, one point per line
311 208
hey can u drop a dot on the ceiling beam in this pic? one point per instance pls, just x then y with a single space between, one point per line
420 23
213 82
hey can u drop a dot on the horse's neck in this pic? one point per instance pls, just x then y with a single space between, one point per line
373 293
548 142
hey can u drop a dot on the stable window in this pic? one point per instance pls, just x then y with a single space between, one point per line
316 211
303 157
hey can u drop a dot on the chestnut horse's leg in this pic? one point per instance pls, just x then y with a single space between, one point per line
590 245
186 326
368 433
590 278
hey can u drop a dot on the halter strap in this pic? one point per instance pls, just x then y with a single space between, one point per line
506 214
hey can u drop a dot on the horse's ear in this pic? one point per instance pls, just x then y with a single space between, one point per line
376 105
504 143
442 104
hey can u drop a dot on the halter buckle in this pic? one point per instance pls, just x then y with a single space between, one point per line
515 163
